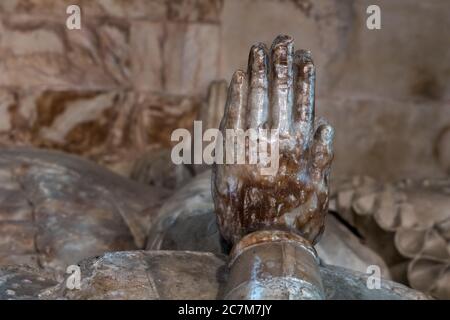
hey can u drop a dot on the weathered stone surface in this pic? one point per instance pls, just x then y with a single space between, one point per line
193 275
57 209
113 128
36 6
331 29
212 109
381 77
387 139
289 191
343 284
340 247
442 149
407 57
187 221
127 9
148 275
195 10
155 168
352 60
320 26
407 223
177 58
156 10
386 92
41 52
23 283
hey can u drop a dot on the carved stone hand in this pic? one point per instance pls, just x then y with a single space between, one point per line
277 92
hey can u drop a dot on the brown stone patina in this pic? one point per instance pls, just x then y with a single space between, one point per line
277 92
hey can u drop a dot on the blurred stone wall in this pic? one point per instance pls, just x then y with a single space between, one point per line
139 69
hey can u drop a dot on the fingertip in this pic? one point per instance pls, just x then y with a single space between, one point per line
258 72
305 63
282 76
238 77
238 86
258 49
282 53
282 40
304 56
258 62
323 146
325 135
234 110
304 94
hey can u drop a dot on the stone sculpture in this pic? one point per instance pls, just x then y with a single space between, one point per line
271 229
277 93
281 212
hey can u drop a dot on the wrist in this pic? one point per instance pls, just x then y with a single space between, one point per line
273 264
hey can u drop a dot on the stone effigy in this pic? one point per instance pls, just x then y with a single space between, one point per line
186 222
272 227
138 274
